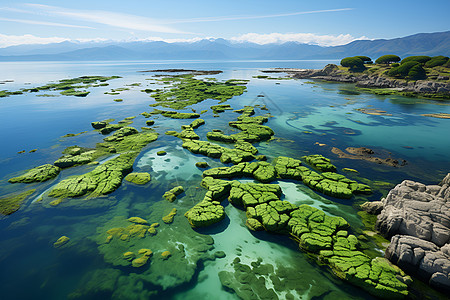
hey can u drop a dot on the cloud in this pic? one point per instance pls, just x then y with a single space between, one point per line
27 39
305 38
233 18
119 20
42 23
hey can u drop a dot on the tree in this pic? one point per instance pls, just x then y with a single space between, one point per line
387 59
353 63
437 61
417 72
421 59
365 59
402 70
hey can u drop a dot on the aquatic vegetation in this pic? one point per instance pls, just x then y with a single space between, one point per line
138 178
226 155
11 203
197 123
220 108
137 220
149 122
165 255
73 134
186 90
320 163
169 218
37 174
201 165
61 241
172 194
172 114
161 153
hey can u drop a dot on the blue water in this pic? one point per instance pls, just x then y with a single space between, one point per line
304 115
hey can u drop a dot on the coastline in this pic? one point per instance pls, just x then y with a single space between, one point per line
380 85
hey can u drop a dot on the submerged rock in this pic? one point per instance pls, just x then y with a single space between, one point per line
172 194
169 218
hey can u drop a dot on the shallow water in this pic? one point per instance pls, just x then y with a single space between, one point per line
304 115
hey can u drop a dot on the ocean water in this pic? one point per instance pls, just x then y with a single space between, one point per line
308 118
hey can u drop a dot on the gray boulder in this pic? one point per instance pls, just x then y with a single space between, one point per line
417 217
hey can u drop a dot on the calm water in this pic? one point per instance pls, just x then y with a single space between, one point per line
305 115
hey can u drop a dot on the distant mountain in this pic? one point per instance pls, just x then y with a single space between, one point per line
219 49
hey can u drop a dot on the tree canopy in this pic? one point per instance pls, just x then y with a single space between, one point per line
387 59
420 58
365 59
353 63
436 61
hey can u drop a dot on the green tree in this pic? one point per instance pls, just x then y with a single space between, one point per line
365 59
402 70
417 72
387 59
436 61
420 58
353 63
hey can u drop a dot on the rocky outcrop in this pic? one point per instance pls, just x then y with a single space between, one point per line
417 217
332 73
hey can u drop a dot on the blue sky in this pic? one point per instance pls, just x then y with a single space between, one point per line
315 22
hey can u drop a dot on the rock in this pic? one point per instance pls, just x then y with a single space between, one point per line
138 178
161 153
150 122
418 219
38 174
129 255
373 207
99 125
61 241
226 155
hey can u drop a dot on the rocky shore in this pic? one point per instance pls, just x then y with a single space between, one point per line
417 219
332 72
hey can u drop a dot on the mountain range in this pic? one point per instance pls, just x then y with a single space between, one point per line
431 44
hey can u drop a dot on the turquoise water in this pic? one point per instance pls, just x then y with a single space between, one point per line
304 116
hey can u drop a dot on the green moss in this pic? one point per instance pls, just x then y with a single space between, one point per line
12 202
172 194
138 178
320 163
38 174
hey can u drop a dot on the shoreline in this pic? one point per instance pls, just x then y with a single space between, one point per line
375 84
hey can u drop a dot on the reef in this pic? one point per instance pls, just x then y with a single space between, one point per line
11 203
320 163
366 154
38 174
138 178
186 90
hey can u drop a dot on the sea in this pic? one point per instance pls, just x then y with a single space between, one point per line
308 117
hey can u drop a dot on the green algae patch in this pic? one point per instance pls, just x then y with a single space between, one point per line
75 155
168 219
220 108
38 174
226 155
61 241
138 178
184 90
173 114
104 179
172 194
12 202
320 163
261 171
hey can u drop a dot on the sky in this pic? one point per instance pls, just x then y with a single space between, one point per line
324 23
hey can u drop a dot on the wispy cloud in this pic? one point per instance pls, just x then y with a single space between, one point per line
305 38
42 23
233 18
118 20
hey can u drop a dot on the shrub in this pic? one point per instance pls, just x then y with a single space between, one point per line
353 63
365 59
417 72
387 59
402 70
437 61
421 59
395 65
